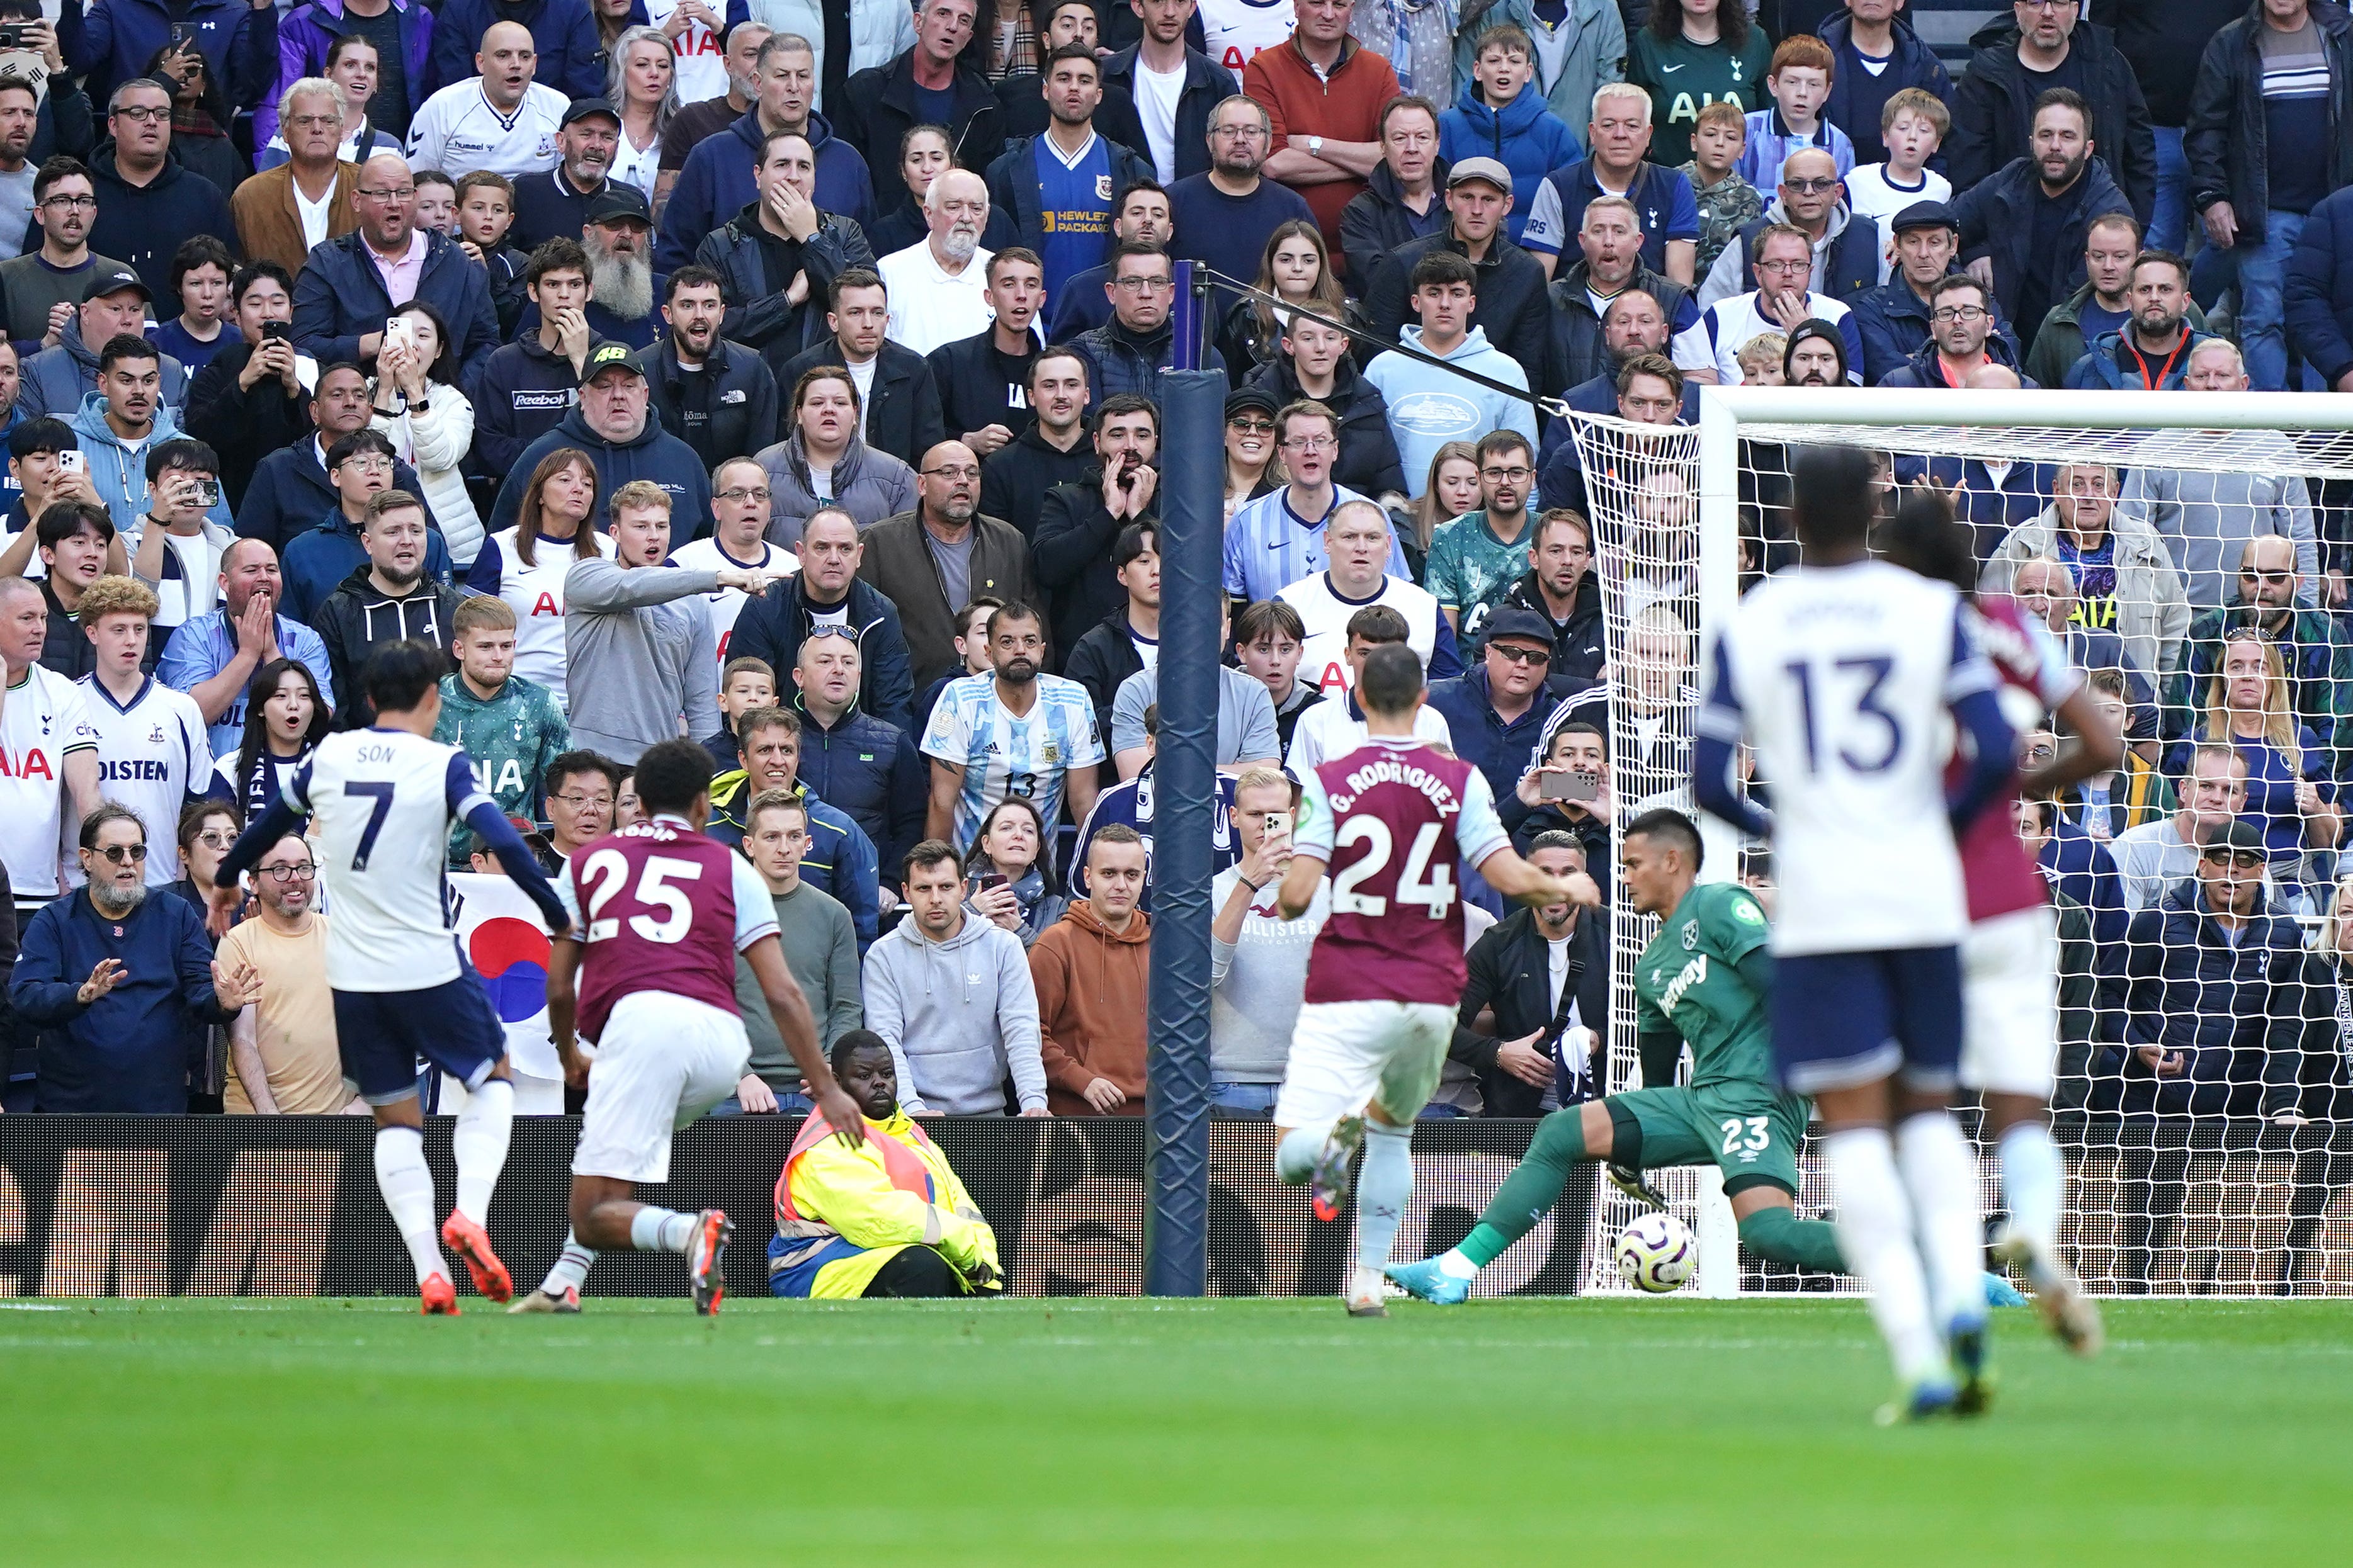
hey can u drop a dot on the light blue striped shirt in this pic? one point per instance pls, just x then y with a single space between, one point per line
1269 546
1003 754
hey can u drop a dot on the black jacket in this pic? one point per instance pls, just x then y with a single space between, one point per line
2227 142
523 391
1206 84
1376 222
902 415
1579 353
1369 454
1510 970
1071 557
1853 264
1577 648
1993 110
772 626
2163 39
1015 479
878 109
742 418
1100 660
358 616
1513 304
142 226
1997 220
758 315
974 393
243 427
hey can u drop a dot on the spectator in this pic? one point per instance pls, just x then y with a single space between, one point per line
35 448
1609 268
2164 40
2112 801
1400 201
353 64
1691 54
840 858
1268 639
1062 209
1445 407
1575 53
1876 59
984 734
200 275
1247 737
282 1054
744 684
563 42
512 729
54 750
827 591
1050 448
416 406
151 751
1127 639
1892 319
1092 969
1914 124
1499 118
882 102
213 657
2022 226
1798 81
931 560
118 422
864 767
251 398
1652 689
526 388
740 511
1847 254
2318 294
721 176
147 201
923 155
1173 86
938 286
700 118
115 43
1279 539
206 830
2207 996
1323 97
315 38
1012 878
1252 468
2291 795
1082 304
1633 325
1727 203
2102 304
1335 726
1507 286
390 598
581 787
1128 353
2160 853
820 949
2000 99
283 213
2045 589
1079 525
1646 390
894 397
1257 962
285 718
2302 1095
179 545
984 379
1496 710
1225 214
360 466
616 425
715 395
56 379
554 205
2205 517
1708 351
1476 558
40 287
40 128
1543 972
1296 270
961 1041
2122 573
623 287
351 285
1963 338
1561 586
973 657
121 1015
526 565
781 254
1574 759
2319 659
74 540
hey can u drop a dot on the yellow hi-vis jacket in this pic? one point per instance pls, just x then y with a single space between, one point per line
843 1212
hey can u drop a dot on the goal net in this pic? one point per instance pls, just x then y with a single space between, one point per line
2180 546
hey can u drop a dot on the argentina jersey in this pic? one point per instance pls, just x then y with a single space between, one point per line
1003 753
153 752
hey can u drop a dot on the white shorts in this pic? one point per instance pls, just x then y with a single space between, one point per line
2009 981
533 1096
1345 1055
662 1062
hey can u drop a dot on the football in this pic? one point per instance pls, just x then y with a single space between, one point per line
1656 1252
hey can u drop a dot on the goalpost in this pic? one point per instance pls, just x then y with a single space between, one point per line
2228 1178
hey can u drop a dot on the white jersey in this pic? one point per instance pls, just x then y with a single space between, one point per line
534 591
42 718
699 65
1322 656
457 130
1236 29
1334 726
380 804
727 604
1723 328
1002 753
153 752
1843 678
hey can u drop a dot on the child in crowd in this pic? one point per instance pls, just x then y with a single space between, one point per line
743 685
1727 204
1799 82
437 202
1500 119
1760 359
485 213
1913 124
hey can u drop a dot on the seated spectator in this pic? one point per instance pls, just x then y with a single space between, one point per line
1652 682
1247 735
430 423
718 397
2129 795
38 480
2151 857
115 424
1073 549
1251 467
1083 303
526 565
960 1041
825 462
1799 86
360 466
2060 188
1892 319
2291 794
213 657
1279 539
984 555
1296 269
1727 203
504 117
1632 326
121 1015
286 715
1447 408
740 509
896 401
75 541
339 300
282 1055
292 489
1619 143
616 236
251 398
2319 659
1647 390
150 193
305 197
1543 972
555 204
42 285
2101 304
1010 875
902 218
1127 639
1497 117
840 860
1091 970
199 283
820 948
1963 338
1314 365
1504 305
1496 711
485 220
1913 124
1051 448
1014 721
526 388
1707 351
207 828
1609 267
2153 354
850 1225
1335 727
1258 960
863 766
351 63
939 285
1474 559
179 545
1268 639
1129 352
1566 791
1358 539
2208 1000
1133 803
581 797
984 379
828 592
390 596
510 728
2045 589
1847 252
616 425
1224 214
744 684
1561 585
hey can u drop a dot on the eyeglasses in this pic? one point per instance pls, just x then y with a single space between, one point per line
1241 132
371 464
1522 655
832 629
401 193
1812 188
1785 269
144 113
1501 475
953 471
2222 854
741 493
1310 444
1252 427
119 853
301 871
583 801
2275 578
215 838
1143 285
1945 313
72 204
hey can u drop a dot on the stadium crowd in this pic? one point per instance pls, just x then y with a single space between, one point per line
788 374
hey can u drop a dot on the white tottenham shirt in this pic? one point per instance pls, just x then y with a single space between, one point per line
42 718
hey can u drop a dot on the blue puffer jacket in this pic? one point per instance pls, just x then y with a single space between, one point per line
717 184
116 40
570 58
2319 287
654 454
1526 136
2226 1005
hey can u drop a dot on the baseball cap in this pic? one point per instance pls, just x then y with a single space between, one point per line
1487 169
619 199
2237 834
586 108
608 355
1925 214
1257 397
113 281
1517 621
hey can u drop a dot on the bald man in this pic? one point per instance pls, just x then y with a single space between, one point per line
354 281
939 285
503 118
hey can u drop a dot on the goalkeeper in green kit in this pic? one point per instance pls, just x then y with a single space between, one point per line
1703 980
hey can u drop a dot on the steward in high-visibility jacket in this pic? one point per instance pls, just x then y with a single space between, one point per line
888 1218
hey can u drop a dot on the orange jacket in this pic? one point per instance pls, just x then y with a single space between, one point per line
1091 987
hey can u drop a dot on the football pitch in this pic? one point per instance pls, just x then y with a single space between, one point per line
1110 1432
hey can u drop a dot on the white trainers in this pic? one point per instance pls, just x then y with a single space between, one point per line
539 1300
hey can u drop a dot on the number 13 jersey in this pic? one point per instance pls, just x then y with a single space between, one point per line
1395 821
662 908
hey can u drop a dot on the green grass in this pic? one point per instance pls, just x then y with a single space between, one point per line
1096 1432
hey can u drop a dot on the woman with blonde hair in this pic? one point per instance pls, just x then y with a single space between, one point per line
2289 791
1451 491
642 80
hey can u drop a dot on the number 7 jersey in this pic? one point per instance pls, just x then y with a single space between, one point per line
1394 822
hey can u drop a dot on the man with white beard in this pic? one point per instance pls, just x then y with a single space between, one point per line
939 286
623 286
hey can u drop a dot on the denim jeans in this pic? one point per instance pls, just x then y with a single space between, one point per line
2169 225
2263 323
1231 1101
786 1105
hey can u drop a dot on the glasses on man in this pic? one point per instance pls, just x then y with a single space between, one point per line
145 113
1310 444
388 193
71 204
301 871
1239 133
118 853
2273 579
2243 860
1945 315
1785 269
1516 655
1502 476
1143 285
579 801
738 494
1816 186
953 471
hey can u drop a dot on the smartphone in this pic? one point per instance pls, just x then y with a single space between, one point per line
1581 787
70 463
277 331
11 37
207 490
183 38
1278 825
397 331
983 882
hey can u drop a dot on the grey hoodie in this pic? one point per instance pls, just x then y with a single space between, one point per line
638 652
959 1015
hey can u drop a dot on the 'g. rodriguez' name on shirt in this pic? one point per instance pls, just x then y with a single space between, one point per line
1386 770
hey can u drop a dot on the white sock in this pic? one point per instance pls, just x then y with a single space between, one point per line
2034 1185
662 1230
1875 1232
1384 1186
1941 1175
479 1142
1295 1157
1454 1266
571 1270
406 1184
